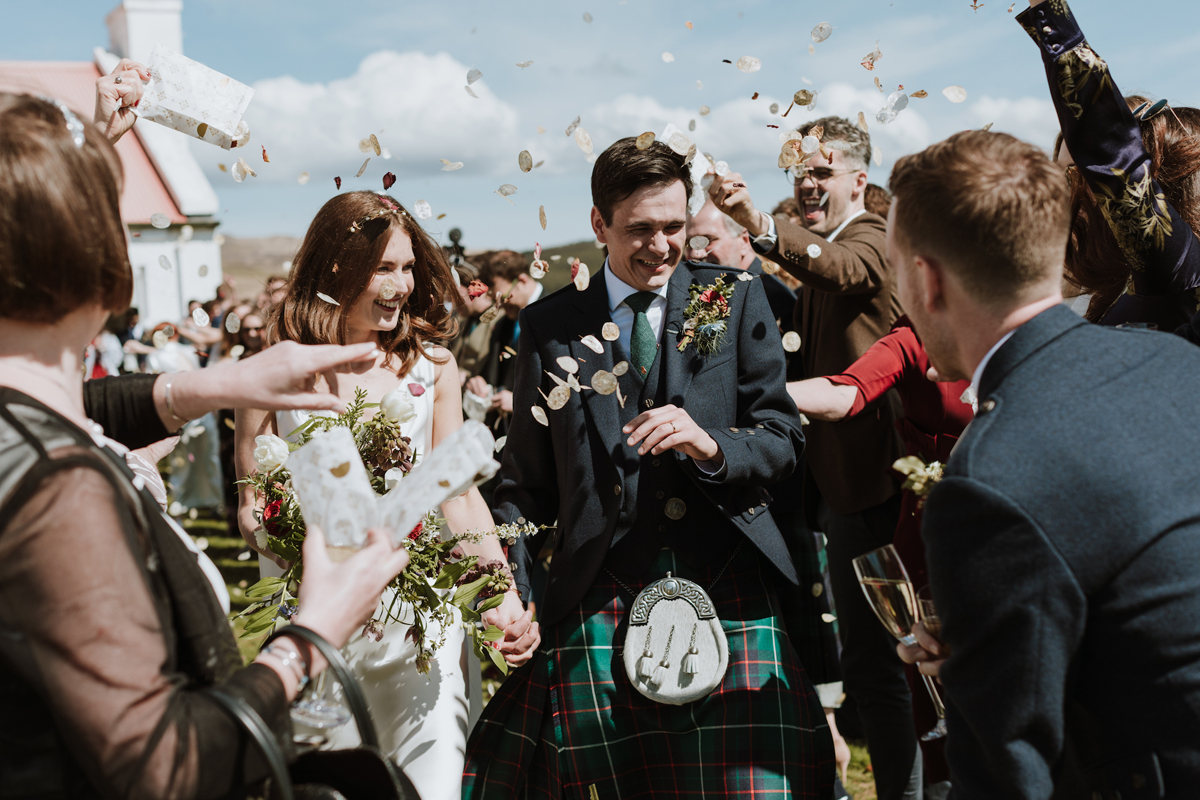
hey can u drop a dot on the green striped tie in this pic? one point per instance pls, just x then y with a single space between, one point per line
642 342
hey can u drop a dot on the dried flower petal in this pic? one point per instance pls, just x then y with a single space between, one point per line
375 144
704 111
265 159
877 156
233 323
791 341
524 161
473 75
165 263
568 364
668 58
604 382
422 209
537 270
363 168
803 97
920 95
471 92
328 299
489 316
821 32
748 64
610 332
337 182
687 25
587 18
558 397
203 270
542 216
645 140
593 344
691 124
955 94
746 276
814 251
810 144
160 220
538 164
201 318
241 169
878 85
870 58
503 440
698 242
524 64
506 189
364 145
303 178
620 368
773 108
580 275
389 180
680 143
450 166
584 140
574 124
540 416
160 339
769 267
222 167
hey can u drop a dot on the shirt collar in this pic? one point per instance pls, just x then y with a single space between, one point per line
537 292
845 222
984 362
618 289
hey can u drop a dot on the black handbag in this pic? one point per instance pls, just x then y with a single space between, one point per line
359 773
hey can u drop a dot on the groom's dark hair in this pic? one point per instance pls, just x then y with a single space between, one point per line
622 169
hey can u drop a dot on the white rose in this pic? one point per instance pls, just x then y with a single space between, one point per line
270 452
398 406
391 478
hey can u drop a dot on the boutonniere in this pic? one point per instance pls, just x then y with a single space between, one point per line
704 317
919 477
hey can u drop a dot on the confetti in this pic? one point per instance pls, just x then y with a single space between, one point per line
422 209
584 140
579 275
668 58
812 49
610 332
821 32
160 220
363 168
537 270
542 216
862 121
620 368
540 416
160 339
265 159
878 85
975 4
803 97
587 18
679 143
303 178
687 25
814 250
375 144
955 94
337 182
500 443
450 166
389 180
810 144
645 140
748 64
541 128
877 156
506 190
791 341
233 323
471 92
568 364
538 164
806 80
222 167
754 96
604 382
987 127
203 270
364 145
524 64
691 124
773 108
524 161
201 318
920 95
896 102
699 85
698 242
746 276
241 169
490 316
769 267
235 352
558 398
165 263
1010 8
473 75
870 58
328 299
593 344
574 124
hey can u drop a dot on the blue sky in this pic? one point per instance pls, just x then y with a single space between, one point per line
326 76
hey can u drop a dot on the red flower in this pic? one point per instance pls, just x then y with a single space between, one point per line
417 530
477 289
269 515
710 295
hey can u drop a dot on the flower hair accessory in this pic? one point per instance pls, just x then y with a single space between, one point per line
74 126
391 207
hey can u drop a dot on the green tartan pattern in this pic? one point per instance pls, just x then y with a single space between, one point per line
571 720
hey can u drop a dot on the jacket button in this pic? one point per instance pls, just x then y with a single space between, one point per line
659 495
817 589
752 512
733 430
649 404
617 489
987 405
675 509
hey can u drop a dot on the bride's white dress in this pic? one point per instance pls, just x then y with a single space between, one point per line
422 720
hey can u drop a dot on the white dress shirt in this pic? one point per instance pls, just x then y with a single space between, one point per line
622 314
984 362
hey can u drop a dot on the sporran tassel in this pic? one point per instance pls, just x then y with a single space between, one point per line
691 662
646 662
660 672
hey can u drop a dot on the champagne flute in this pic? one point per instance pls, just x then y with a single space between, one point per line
933 624
889 591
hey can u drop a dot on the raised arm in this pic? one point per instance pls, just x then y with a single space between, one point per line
818 398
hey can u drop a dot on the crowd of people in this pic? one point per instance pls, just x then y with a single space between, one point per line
713 421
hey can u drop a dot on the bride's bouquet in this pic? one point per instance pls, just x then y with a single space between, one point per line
439 578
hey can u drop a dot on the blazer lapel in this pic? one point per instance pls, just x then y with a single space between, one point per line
592 305
680 367
1025 341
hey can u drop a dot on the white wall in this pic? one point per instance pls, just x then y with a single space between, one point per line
162 295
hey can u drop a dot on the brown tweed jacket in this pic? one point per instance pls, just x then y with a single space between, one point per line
847 303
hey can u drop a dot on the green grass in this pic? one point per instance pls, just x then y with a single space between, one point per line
860 781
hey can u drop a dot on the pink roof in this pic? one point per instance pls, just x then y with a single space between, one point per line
74 82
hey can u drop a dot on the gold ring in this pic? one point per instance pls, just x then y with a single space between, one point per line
673 429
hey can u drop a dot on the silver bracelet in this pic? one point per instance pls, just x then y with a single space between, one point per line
293 661
170 408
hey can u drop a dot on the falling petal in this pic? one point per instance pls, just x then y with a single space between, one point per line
473 75
337 182
375 144
806 80
568 364
559 396
704 111
537 270
791 341
821 32
584 140
878 85
506 190
580 275
328 299
748 64
604 382
471 92
364 145
265 159
165 263
877 156
524 64
645 140
541 128
921 95
303 179
955 94
241 169
810 144
620 368
691 124
201 318
387 153
773 108
870 58
803 97
500 443
422 209
203 270
450 166
222 167
538 164
542 216
233 323
593 344
610 332
587 18
746 276
699 85
160 339
698 242
389 180
525 161
363 168
540 416
160 220
679 143
687 25
814 251
574 124
987 127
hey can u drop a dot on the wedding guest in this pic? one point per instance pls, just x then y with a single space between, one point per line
111 628
847 303
670 481
474 338
272 294
245 341
1135 183
877 200
1058 572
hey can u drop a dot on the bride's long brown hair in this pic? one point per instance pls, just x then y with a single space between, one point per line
339 256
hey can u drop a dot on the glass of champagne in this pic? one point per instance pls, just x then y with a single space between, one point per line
934 625
889 591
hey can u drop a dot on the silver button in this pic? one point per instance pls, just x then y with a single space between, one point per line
987 405
649 404
1047 29
752 512
617 489
733 430
675 509
817 588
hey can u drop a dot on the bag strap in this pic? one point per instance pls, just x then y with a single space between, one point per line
350 688
262 736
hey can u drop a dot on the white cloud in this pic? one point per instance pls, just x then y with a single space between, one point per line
1029 118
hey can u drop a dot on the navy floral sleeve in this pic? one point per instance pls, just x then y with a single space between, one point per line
1105 141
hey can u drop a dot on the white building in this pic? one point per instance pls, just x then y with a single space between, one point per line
161 175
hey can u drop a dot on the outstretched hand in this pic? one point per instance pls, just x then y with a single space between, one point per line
116 96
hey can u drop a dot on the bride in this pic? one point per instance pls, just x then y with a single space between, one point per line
367 272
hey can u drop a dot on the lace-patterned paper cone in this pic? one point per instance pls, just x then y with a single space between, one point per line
464 459
333 488
187 96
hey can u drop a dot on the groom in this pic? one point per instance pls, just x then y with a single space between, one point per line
667 474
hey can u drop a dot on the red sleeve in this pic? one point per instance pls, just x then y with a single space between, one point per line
880 368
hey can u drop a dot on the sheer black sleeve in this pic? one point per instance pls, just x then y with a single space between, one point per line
124 405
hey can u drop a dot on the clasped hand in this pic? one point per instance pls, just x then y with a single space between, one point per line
671 428
928 654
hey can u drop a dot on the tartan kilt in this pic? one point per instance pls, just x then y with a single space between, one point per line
570 720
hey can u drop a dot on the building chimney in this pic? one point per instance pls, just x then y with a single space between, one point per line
136 26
